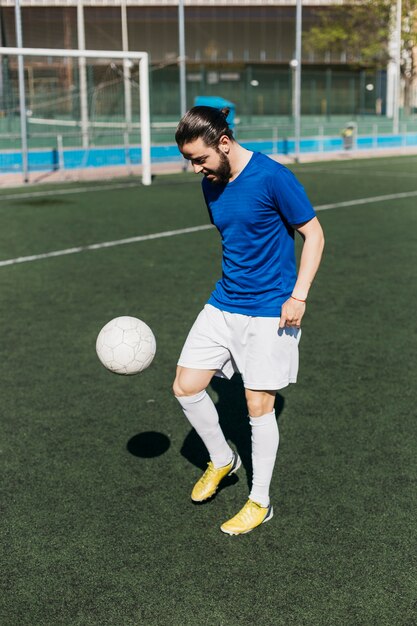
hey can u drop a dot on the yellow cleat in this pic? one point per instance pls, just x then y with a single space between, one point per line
248 518
210 480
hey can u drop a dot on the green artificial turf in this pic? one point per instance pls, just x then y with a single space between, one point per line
97 526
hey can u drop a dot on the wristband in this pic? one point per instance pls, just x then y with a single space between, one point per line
298 299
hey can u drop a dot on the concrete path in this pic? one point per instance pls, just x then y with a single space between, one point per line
101 173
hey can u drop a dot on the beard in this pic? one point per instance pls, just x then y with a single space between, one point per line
222 174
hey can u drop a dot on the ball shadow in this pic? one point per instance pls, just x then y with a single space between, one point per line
148 445
233 417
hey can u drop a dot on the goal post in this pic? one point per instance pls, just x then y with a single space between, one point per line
128 59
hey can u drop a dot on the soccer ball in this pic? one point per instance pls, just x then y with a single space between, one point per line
126 345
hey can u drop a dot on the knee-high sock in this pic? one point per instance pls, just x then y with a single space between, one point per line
265 440
202 415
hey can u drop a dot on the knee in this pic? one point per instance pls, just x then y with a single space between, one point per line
260 403
177 388
255 408
189 382
182 388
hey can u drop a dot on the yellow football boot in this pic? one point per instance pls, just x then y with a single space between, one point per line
248 518
210 480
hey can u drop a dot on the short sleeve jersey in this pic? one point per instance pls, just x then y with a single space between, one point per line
255 215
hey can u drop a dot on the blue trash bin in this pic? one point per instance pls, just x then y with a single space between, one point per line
217 103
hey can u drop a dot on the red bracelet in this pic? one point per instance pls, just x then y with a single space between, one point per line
298 299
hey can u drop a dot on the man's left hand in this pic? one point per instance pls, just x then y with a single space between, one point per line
292 313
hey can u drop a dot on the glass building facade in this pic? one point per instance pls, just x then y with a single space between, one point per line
239 52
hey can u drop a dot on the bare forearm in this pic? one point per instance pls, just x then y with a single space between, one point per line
310 260
294 308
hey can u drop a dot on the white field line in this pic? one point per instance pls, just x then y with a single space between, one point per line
347 171
192 229
70 190
370 200
105 244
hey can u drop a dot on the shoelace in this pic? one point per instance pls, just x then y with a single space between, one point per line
210 470
246 513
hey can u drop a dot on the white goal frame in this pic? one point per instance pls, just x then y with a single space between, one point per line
127 57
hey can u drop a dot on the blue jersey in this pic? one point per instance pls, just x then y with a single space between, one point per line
255 215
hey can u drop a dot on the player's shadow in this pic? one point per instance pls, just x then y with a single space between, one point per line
233 416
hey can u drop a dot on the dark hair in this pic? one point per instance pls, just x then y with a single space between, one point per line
208 123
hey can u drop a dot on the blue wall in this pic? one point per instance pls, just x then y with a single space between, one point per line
47 160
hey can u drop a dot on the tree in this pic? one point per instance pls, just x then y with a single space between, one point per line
409 49
362 30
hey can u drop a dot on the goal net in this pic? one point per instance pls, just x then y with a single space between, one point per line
69 112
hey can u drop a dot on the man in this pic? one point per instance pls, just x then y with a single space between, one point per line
251 323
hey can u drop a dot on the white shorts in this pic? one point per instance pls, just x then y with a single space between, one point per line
265 355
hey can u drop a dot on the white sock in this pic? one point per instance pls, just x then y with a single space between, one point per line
265 440
202 415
